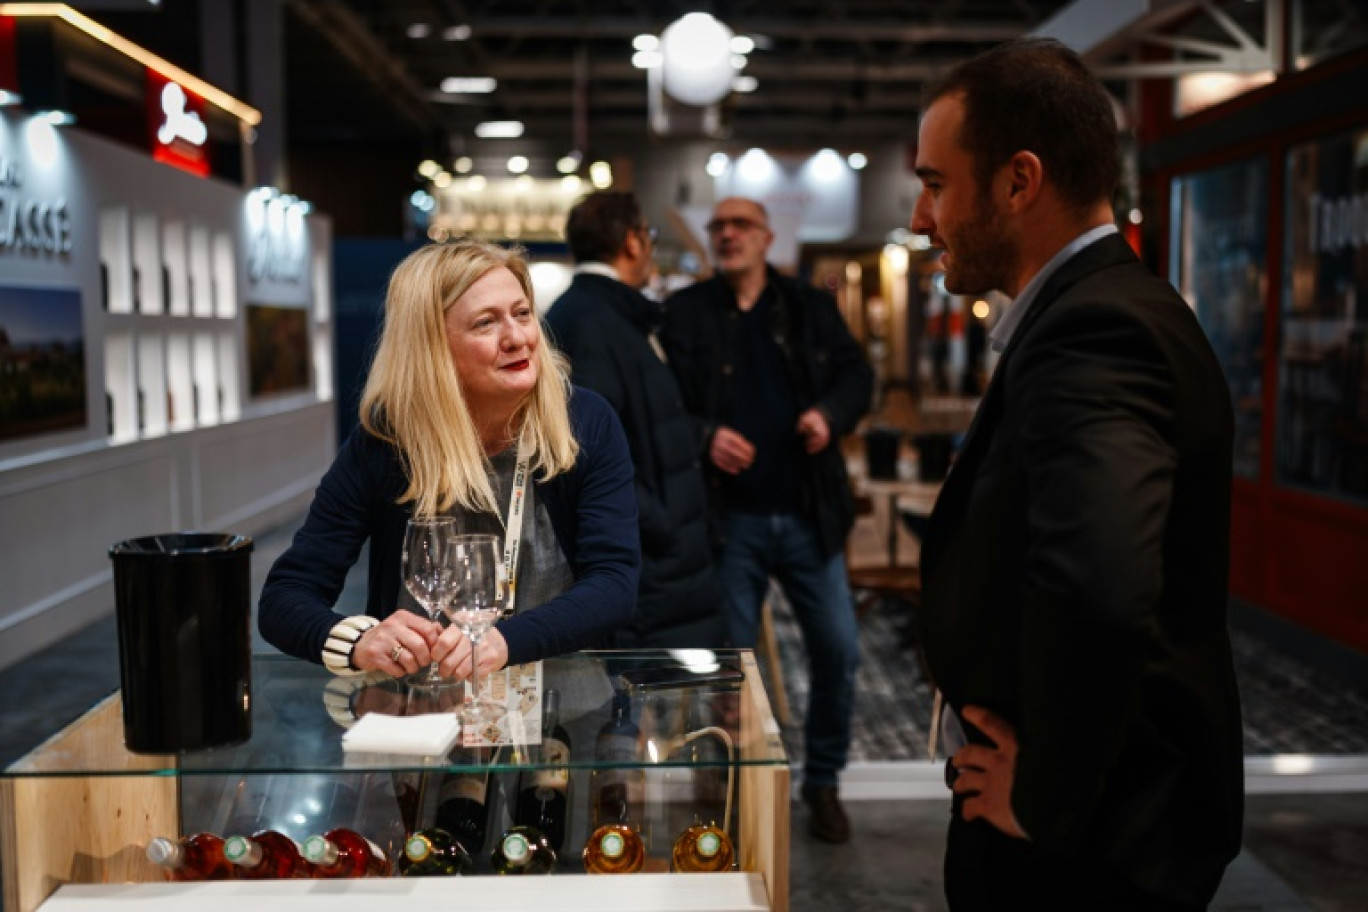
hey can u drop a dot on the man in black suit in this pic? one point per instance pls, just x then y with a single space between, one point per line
1075 565
607 327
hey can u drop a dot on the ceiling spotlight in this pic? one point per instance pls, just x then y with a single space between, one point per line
826 166
645 60
475 183
646 43
738 61
717 164
601 175
742 44
442 180
469 85
429 168
456 33
518 164
523 183
697 68
418 31
463 165
857 160
571 183
499 129
744 83
568 164
756 166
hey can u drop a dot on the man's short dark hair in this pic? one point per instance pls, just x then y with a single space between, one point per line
1036 95
598 225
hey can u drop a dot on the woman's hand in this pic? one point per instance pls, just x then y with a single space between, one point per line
451 652
493 654
399 645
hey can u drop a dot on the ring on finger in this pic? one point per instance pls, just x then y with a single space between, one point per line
396 652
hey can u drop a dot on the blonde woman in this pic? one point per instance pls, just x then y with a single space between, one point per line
463 388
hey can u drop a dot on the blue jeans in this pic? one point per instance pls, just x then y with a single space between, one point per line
784 546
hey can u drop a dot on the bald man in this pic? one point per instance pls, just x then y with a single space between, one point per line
773 379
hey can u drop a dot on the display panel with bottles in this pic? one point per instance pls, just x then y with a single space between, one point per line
622 778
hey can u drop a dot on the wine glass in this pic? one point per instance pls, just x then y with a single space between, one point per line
429 571
478 601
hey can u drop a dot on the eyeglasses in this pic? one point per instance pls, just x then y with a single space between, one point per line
651 232
719 225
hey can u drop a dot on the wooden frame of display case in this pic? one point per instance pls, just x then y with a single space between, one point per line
73 829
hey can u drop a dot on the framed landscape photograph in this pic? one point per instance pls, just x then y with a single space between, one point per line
278 354
42 361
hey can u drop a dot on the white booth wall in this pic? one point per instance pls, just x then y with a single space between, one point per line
184 444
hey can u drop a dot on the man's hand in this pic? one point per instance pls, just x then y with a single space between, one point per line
984 775
813 428
731 452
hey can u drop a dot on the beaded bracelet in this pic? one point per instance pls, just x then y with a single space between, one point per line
337 651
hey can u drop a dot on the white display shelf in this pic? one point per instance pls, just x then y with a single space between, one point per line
736 892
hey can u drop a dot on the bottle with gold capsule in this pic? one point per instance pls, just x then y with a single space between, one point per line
523 850
614 848
433 852
702 848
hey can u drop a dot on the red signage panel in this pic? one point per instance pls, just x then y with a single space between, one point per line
9 62
177 130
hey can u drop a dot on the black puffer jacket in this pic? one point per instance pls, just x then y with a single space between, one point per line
604 326
825 365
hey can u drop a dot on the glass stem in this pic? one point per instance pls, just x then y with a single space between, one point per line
475 666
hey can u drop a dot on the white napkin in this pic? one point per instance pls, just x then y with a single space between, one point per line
426 735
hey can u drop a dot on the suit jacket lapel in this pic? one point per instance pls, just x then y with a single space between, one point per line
1109 251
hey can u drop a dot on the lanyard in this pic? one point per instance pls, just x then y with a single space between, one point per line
516 502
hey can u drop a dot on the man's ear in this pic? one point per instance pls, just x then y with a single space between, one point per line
1025 177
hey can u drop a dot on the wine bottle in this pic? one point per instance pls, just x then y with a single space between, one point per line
544 793
197 857
345 853
463 810
703 847
614 848
523 850
268 854
433 852
618 790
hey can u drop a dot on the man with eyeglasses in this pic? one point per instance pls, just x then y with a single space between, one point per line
607 328
774 379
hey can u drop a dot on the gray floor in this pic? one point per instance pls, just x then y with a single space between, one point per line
1302 852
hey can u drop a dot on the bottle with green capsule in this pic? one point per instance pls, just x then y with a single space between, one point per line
433 853
523 850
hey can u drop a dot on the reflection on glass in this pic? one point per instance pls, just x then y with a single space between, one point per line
1322 29
1323 374
1219 242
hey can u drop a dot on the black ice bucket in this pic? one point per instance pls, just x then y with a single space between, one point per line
934 452
184 612
881 452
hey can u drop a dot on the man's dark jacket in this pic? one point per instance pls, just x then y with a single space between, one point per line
1074 576
826 368
603 326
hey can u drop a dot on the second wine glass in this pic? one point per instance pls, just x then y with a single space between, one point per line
478 589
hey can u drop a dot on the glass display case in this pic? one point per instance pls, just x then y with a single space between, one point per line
655 746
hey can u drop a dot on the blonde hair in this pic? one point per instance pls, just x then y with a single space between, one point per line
413 397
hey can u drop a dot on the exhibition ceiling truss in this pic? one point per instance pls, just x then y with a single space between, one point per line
826 71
